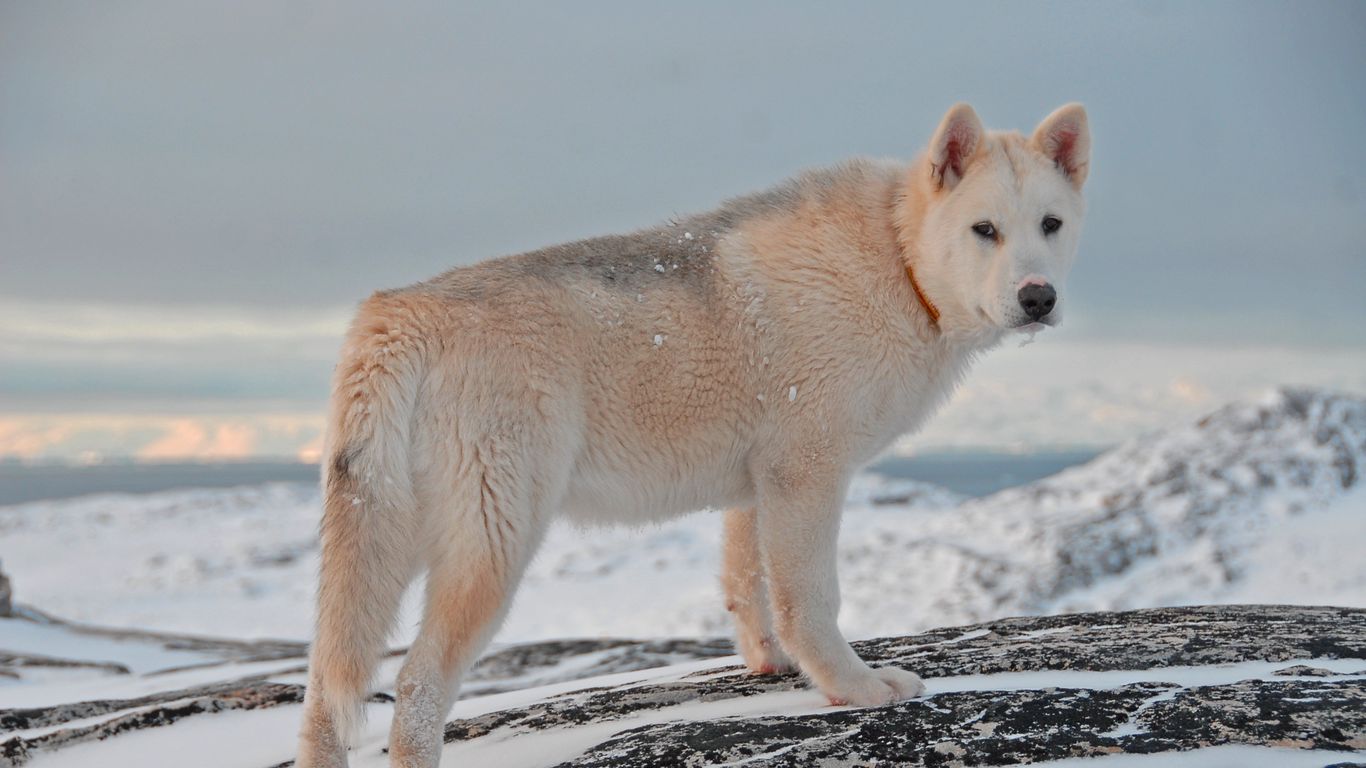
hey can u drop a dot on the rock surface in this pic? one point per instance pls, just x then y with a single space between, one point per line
1005 692
6 605
1198 684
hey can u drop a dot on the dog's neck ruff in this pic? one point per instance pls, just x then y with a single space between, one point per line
924 300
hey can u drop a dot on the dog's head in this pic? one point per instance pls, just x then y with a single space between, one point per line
991 221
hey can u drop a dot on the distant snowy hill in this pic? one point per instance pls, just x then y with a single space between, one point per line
1258 502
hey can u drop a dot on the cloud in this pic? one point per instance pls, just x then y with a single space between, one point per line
189 439
97 323
1189 390
311 451
25 442
160 437
75 356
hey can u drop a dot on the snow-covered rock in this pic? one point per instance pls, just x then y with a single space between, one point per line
6 594
1233 685
1007 692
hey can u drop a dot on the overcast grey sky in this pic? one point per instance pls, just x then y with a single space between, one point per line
193 193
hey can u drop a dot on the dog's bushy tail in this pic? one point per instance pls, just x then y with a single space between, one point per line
369 509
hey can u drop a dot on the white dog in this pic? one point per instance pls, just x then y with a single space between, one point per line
749 358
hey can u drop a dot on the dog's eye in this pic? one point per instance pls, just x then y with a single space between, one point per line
1051 224
985 229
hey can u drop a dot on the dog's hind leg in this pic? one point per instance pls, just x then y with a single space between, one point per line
744 584
369 525
479 547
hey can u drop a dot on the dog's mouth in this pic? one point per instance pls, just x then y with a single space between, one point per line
1028 330
1034 326
1027 326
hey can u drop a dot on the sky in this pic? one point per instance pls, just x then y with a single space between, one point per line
194 196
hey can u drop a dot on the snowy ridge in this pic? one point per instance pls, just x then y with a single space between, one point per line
1191 515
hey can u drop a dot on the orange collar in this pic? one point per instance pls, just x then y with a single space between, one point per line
924 300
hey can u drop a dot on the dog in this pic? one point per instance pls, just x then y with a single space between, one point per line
748 359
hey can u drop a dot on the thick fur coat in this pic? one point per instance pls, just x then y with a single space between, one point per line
747 359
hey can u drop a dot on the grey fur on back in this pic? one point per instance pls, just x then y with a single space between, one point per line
679 250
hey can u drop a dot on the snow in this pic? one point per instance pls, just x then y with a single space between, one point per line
84 685
236 562
1288 561
549 747
42 640
1186 677
1259 502
1226 756
257 737
1247 508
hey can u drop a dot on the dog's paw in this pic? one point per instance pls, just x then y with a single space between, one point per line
876 687
763 655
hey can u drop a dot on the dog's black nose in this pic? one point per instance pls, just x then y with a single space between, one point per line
1038 300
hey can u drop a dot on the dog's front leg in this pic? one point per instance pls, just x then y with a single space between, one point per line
799 515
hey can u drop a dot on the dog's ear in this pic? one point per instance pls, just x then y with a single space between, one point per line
1065 138
954 145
